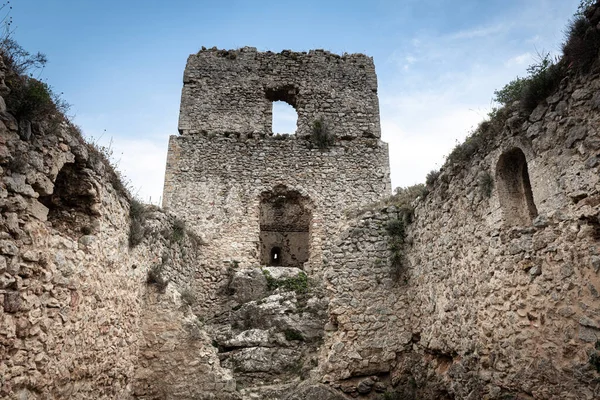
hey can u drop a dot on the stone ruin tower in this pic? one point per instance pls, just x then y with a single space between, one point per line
259 198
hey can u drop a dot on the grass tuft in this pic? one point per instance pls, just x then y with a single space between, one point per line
298 283
188 297
137 215
156 277
431 177
320 136
178 231
582 42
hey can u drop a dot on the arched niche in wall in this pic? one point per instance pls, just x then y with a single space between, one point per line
285 220
71 204
514 188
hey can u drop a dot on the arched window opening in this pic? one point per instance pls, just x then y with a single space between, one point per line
285 118
284 229
283 109
275 256
514 188
70 206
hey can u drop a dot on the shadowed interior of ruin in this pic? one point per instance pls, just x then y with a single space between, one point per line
284 229
514 188
71 203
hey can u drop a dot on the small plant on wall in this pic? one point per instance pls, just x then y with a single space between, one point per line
396 229
486 184
320 135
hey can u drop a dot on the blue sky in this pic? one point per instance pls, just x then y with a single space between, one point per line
120 63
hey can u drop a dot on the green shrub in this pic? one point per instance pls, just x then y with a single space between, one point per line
137 215
178 231
463 152
580 49
156 277
29 99
320 136
511 92
298 283
583 6
188 297
396 228
542 80
404 196
486 184
432 177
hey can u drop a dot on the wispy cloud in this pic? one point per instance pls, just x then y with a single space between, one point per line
479 32
521 59
430 107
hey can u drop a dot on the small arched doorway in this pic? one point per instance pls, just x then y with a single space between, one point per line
284 228
514 188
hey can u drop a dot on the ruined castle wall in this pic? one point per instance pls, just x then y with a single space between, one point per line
215 185
69 289
484 305
78 319
227 159
231 91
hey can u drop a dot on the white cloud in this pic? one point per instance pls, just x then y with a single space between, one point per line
479 32
521 59
421 133
141 162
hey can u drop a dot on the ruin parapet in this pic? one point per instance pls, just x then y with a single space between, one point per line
229 92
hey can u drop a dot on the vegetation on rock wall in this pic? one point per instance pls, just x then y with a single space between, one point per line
486 184
320 135
137 215
521 96
156 277
403 200
298 284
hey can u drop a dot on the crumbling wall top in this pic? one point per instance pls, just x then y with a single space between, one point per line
231 92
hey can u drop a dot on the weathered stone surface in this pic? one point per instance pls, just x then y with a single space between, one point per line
280 273
263 359
230 92
248 284
311 391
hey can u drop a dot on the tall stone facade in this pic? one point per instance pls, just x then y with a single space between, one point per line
227 162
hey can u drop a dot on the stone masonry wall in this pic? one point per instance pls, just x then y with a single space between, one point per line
215 184
482 308
231 91
70 292
77 316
